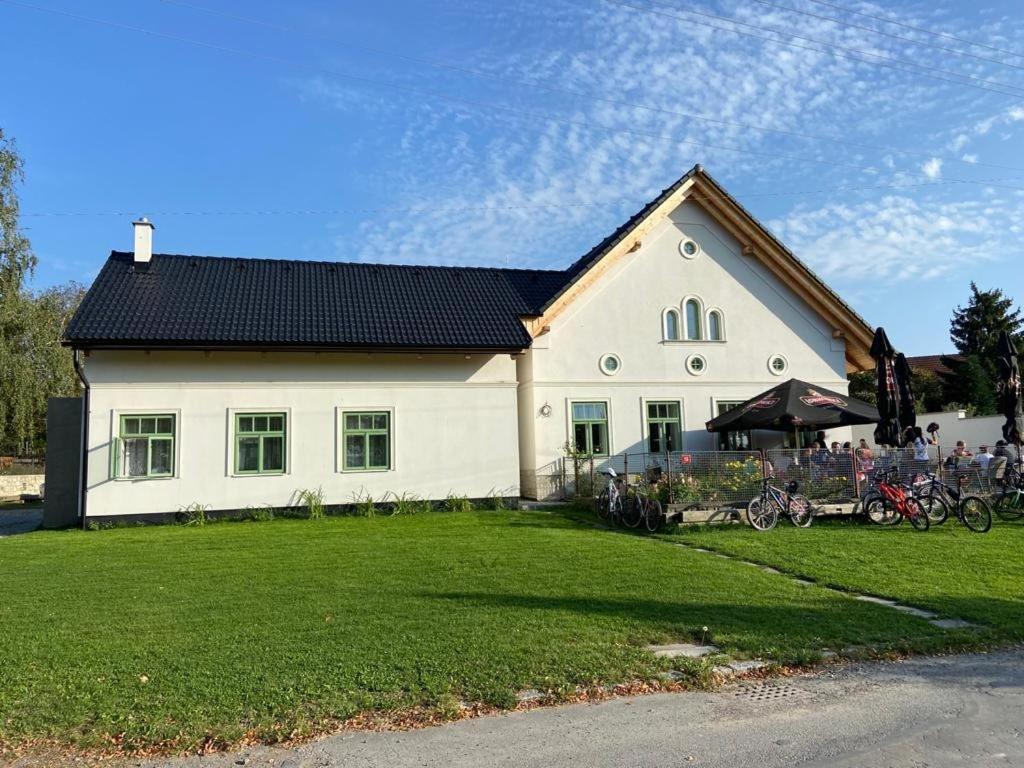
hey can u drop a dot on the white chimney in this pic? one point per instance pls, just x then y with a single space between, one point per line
143 240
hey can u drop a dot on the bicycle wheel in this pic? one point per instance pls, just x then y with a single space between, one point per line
634 510
975 514
916 515
935 507
881 512
654 518
801 512
1010 504
601 505
762 516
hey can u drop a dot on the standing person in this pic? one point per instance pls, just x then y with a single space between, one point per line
920 450
865 459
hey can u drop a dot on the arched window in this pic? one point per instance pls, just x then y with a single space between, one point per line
672 325
693 320
715 330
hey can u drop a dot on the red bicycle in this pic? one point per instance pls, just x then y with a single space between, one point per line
895 502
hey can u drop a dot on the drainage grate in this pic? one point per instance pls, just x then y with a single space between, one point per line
769 690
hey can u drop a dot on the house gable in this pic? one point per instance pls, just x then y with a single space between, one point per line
756 243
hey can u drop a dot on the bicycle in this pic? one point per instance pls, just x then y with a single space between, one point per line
894 503
936 497
646 509
763 511
1009 505
609 501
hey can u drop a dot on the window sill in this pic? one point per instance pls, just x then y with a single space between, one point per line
673 342
143 478
361 470
258 474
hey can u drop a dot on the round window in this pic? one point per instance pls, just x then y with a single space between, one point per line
696 364
610 364
689 248
778 365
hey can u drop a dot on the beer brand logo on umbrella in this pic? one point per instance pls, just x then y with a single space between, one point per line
816 399
765 402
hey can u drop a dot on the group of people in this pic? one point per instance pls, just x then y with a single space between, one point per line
822 459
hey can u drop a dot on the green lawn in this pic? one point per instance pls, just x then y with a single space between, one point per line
172 635
956 573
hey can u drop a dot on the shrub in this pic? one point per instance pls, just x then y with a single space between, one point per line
454 503
258 514
364 505
194 514
496 501
313 501
405 503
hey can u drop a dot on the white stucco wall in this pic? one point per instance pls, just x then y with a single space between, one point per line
454 424
622 314
974 431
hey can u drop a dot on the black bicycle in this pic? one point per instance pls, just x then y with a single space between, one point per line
763 511
937 498
1009 504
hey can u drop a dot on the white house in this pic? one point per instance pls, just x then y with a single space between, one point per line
237 382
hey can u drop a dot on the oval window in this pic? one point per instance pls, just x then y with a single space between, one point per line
696 364
610 364
689 248
778 365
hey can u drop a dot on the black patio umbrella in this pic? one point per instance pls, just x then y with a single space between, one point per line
888 430
1010 391
905 388
792 405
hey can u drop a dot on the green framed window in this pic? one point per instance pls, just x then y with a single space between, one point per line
739 440
261 443
366 440
590 428
144 446
664 430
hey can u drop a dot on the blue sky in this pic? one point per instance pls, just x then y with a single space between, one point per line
521 133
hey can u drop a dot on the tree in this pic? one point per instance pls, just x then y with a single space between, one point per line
974 331
33 365
862 386
928 391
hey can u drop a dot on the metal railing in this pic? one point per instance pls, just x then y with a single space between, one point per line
714 479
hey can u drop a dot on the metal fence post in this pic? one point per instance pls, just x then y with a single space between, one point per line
625 466
592 475
856 472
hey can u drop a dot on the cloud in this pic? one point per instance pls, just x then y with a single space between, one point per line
899 239
933 168
970 159
510 185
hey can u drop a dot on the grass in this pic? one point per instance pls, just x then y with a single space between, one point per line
956 573
178 636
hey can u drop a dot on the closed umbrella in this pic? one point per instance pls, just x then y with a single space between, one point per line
888 430
905 387
1010 393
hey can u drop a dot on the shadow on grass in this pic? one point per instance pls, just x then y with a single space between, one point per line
781 630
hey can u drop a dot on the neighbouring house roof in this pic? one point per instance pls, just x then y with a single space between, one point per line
932 363
193 301
212 302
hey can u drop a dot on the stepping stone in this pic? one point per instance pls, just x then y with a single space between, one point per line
530 694
952 624
826 655
698 549
673 676
724 671
722 557
803 582
686 650
920 613
768 569
742 667
877 600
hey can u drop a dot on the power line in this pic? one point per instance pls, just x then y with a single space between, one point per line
485 106
882 32
530 83
882 60
844 9
429 208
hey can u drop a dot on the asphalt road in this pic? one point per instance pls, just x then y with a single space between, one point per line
922 713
